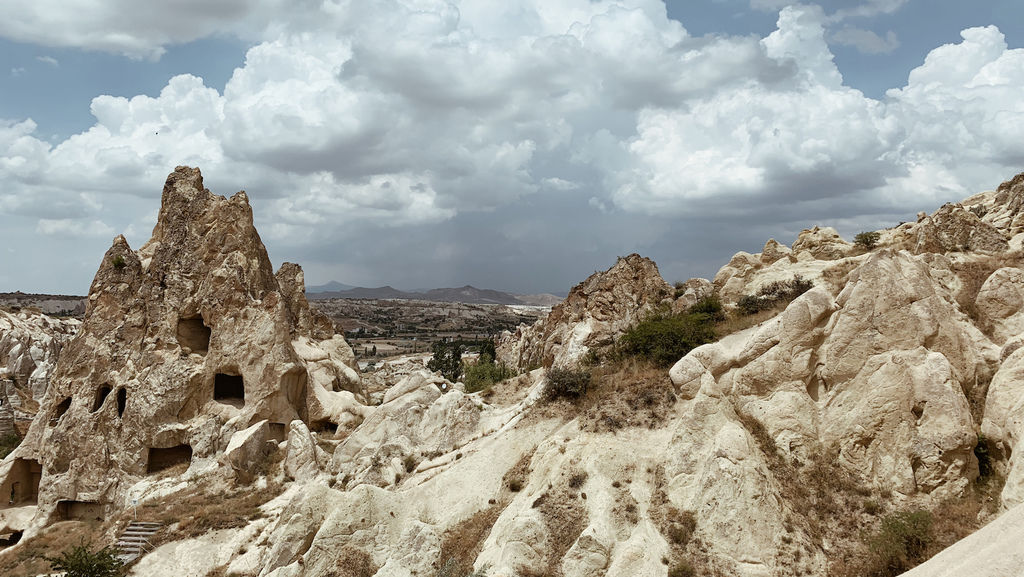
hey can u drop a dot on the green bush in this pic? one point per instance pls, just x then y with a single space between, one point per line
664 338
710 306
900 543
773 294
570 383
118 262
484 373
80 561
866 239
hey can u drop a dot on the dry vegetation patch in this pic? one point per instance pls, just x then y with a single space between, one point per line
29 558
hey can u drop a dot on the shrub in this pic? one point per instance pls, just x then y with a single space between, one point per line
118 262
577 479
867 239
664 338
80 561
485 372
710 306
773 294
901 542
682 527
570 383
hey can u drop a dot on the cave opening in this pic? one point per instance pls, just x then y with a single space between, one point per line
122 401
194 334
62 408
165 458
229 389
101 395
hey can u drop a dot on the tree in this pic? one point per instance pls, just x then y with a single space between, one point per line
80 561
867 240
447 359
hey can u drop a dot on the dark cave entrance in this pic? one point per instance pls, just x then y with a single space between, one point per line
165 458
229 389
194 334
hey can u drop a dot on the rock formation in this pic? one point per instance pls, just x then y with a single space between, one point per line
595 313
769 447
186 342
30 343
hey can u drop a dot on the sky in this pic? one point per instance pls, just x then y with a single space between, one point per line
519 145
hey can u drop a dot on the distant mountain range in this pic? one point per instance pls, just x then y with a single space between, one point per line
467 294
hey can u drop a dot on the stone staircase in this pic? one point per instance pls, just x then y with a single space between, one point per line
134 540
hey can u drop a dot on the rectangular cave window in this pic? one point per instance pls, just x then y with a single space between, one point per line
101 395
194 334
22 484
229 389
160 459
62 408
122 401
324 426
277 431
79 510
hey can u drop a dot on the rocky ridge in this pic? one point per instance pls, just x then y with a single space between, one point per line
870 387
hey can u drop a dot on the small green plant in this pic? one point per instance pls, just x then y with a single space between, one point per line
872 507
81 561
867 239
772 294
577 479
515 485
569 383
901 542
485 373
118 262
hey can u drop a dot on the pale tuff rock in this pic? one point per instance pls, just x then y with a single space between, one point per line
185 343
823 242
596 312
1003 424
954 228
881 371
1000 304
29 347
690 292
773 251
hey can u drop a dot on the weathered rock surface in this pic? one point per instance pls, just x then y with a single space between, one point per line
595 313
30 344
185 342
992 551
878 361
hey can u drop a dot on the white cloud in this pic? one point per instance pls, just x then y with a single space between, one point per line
866 41
73 228
50 60
407 115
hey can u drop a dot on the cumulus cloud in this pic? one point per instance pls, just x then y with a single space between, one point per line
408 119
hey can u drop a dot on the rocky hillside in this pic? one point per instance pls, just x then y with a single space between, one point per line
202 387
30 343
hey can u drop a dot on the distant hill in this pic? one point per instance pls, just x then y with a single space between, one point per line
467 294
329 287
